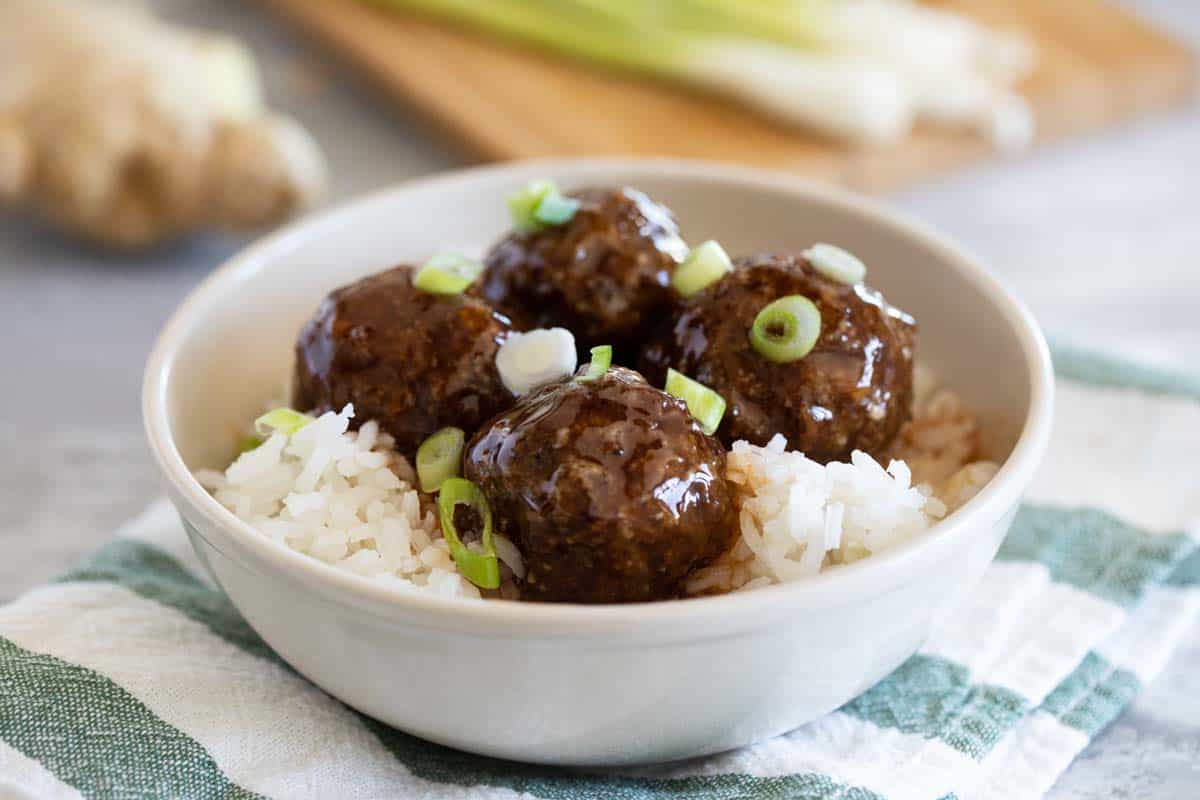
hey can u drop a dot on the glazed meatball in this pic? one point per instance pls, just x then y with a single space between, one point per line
604 275
853 391
413 361
609 488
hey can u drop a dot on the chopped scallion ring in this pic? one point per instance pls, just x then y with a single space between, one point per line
447 273
248 443
555 209
705 405
523 205
281 420
481 569
534 358
439 458
540 205
836 264
601 361
787 329
706 264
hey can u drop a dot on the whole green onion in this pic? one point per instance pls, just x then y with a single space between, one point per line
447 273
705 405
439 458
771 54
619 32
786 329
831 65
481 569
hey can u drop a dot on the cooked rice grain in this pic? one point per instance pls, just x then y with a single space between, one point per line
347 498
798 517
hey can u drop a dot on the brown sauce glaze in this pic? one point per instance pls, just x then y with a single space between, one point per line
605 275
415 362
609 488
852 392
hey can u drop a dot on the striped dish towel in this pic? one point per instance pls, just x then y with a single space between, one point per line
133 677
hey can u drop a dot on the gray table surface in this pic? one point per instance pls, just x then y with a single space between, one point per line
1100 237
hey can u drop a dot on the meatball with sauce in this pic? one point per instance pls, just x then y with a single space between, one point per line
852 391
604 275
413 361
608 487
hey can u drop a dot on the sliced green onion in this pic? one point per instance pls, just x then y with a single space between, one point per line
540 205
523 205
787 329
248 443
555 209
705 405
705 264
447 273
439 458
281 420
527 206
836 264
534 358
481 569
601 361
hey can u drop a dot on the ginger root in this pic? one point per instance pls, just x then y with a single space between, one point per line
131 132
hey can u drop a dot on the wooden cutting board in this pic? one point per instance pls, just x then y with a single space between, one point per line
1099 65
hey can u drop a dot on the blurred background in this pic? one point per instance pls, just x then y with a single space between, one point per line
1067 156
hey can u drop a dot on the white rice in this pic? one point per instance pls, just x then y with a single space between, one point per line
348 499
941 438
798 517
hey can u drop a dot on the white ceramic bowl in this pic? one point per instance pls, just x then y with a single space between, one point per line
571 684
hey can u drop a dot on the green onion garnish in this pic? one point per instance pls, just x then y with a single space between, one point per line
540 205
522 205
481 569
601 361
281 420
248 443
787 329
705 405
705 264
439 458
531 359
447 273
836 264
555 209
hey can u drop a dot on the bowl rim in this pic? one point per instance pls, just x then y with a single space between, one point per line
835 587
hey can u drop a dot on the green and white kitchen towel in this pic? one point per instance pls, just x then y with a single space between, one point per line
133 677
